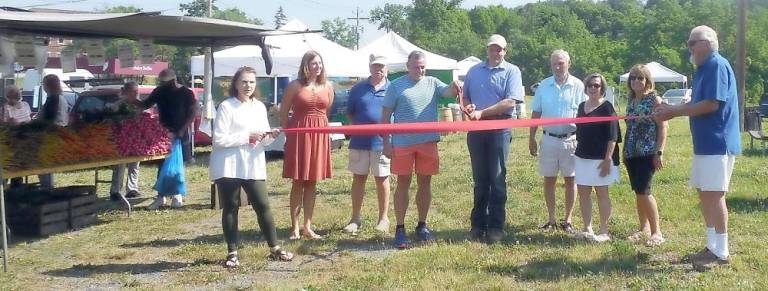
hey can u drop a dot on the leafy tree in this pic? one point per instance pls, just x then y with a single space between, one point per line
339 31
392 17
280 18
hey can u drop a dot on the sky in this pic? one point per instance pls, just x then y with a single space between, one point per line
311 12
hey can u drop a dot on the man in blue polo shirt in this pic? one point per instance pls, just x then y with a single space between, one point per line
365 151
491 91
557 96
714 119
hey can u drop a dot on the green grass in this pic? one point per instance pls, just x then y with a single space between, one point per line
180 249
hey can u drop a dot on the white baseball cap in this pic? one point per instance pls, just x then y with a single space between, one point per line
377 59
497 40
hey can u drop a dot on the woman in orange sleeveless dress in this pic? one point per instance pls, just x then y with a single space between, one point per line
307 156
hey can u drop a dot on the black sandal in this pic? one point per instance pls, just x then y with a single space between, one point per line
549 226
232 261
567 227
281 255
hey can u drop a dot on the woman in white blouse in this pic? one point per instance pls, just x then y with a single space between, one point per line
240 132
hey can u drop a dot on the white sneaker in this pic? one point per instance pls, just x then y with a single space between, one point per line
177 201
352 227
600 238
585 235
159 202
383 226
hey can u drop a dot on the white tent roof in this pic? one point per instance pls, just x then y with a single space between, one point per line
287 51
396 50
660 73
465 64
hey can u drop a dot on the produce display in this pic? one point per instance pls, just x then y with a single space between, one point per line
41 145
141 136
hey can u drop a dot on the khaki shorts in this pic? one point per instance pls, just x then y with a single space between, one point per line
557 156
712 172
363 162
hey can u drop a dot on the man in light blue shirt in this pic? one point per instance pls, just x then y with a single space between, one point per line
491 91
413 98
714 118
558 96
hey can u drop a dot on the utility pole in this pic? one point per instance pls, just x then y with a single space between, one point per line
357 26
741 58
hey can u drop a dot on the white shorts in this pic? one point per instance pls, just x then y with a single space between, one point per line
588 173
556 155
363 162
712 172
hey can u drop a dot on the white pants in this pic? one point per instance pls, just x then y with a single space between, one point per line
363 162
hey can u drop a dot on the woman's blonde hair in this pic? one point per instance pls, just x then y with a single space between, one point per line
641 70
303 74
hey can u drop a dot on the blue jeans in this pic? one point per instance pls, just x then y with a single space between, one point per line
488 151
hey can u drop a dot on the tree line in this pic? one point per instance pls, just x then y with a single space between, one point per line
602 36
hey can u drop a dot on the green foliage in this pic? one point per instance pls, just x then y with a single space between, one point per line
340 31
602 36
392 17
280 18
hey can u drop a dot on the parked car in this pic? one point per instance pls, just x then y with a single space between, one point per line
677 96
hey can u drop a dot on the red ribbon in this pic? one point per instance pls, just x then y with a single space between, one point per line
425 127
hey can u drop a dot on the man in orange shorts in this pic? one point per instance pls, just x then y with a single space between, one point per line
413 98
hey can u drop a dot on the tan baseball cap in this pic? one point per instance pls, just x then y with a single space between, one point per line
497 40
377 59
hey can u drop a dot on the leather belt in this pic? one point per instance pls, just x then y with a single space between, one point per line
561 136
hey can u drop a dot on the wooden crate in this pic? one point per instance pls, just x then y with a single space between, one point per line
82 211
39 220
53 217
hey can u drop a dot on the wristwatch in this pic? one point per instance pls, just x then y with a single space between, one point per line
658 153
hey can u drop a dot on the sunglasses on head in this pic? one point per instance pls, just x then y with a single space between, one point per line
595 85
639 78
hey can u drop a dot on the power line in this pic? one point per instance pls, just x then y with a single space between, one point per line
53 3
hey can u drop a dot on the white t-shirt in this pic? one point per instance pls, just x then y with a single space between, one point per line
233 156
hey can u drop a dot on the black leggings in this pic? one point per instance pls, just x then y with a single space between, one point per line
229 196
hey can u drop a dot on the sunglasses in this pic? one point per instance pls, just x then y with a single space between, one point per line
694 41
639 78
595 85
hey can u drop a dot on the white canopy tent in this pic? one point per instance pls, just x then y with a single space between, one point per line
286 51
661 74
465 64
396 50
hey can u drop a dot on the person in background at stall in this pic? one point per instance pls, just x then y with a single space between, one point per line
15 111
56 111
176 107
130 101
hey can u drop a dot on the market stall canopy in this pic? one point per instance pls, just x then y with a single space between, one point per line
163 29
466 64
138 69
396 49
660 73
287 51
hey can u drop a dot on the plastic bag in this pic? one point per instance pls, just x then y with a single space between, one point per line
170 179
